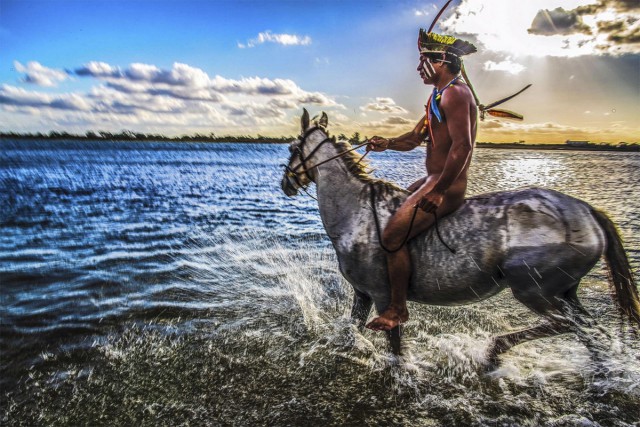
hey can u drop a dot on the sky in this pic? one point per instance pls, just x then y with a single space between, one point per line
234 67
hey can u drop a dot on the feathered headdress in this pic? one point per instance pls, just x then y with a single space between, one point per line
429 42
434 43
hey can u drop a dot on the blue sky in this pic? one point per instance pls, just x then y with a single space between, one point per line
247 67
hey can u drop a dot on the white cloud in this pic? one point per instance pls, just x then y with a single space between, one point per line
185 82
282 103
384 105
98 69
282 39
145 97
18 97
40 75
507 65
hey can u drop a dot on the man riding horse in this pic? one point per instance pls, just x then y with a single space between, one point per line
449 127
537 242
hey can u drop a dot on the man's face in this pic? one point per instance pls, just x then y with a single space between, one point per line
428 68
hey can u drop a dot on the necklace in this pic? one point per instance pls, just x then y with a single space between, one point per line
436 95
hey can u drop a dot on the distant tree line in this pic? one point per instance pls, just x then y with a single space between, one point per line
589 146
127 135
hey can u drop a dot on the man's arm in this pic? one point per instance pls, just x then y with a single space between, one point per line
405 142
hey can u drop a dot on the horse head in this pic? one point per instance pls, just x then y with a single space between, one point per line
298 172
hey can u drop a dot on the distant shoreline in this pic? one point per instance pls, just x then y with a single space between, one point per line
142 138
564 147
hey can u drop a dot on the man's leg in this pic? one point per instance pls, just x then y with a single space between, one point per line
399 262
399 259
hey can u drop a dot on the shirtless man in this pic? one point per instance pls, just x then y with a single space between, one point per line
450 125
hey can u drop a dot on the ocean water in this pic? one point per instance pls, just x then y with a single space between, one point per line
174 284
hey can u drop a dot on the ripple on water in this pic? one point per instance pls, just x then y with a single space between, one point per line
175 288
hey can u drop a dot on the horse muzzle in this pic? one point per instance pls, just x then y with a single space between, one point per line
288 185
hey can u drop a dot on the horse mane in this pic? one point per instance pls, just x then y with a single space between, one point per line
358 167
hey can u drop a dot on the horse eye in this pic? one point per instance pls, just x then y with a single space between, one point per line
294 146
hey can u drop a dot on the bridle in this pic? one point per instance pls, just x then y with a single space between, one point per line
293 173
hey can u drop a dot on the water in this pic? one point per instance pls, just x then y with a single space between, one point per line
173 284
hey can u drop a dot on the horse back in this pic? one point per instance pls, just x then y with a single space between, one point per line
497 234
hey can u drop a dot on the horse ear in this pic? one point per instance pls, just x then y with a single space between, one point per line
304 121
324 120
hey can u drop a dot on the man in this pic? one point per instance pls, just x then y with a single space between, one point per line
450 126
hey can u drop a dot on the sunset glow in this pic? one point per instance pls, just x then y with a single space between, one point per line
248 68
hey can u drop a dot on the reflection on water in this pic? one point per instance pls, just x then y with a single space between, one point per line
174 284
525 171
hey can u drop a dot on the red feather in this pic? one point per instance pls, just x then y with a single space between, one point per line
505 114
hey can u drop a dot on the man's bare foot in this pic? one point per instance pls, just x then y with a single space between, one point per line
388 320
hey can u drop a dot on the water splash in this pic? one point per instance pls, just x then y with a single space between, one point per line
278 347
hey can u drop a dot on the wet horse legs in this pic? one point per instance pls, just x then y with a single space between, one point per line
360 309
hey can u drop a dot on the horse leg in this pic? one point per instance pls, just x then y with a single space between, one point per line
533 298
360 309
394 335
592 335
395 340
564 314
503 343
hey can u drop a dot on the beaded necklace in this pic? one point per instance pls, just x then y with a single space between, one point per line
433 108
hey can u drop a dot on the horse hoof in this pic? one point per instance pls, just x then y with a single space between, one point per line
492 364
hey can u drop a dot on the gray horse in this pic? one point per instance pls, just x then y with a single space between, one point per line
537 242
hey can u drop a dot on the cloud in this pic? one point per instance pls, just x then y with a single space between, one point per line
396 120
40 75
625 31
146 97
282 103
507 65
254 86
319 99
255 110
185 82
540 28
601 5
282 39
613 21
384 105
18 97
558 21
500 131
98 70
388 124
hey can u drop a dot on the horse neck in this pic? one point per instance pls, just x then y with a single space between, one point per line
340 191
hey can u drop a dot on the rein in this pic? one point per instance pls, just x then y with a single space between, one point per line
406 238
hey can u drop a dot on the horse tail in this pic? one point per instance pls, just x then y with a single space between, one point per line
621 280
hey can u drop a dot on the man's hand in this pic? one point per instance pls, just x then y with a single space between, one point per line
377 143
431 201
